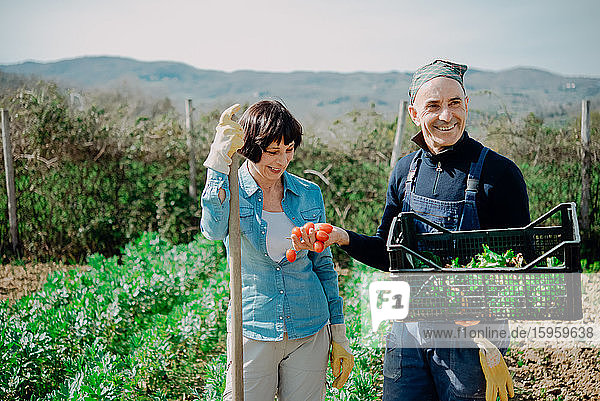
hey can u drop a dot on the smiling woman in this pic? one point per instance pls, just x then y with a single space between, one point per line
271 135
291 309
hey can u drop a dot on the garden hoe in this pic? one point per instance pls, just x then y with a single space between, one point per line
235 281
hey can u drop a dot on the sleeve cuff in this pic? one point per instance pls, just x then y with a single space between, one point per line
352 236
338 335
218 162
218 177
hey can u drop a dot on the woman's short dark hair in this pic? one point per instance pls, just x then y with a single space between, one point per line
266 122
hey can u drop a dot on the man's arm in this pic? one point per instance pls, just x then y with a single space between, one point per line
507 203
370 250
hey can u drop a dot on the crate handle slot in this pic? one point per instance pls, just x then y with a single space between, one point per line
568 216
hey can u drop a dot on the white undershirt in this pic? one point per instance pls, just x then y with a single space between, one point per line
279 226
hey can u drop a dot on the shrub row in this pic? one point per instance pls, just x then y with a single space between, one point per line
91 180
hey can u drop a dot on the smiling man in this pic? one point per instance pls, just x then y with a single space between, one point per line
456 182
440 108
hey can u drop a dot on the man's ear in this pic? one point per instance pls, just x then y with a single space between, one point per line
413 115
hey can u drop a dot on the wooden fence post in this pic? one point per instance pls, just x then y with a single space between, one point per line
399 134
10 183
585 165
192 150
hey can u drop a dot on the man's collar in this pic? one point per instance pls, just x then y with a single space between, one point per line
420 141
250 186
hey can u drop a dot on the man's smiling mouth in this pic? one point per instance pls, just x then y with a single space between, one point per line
449 128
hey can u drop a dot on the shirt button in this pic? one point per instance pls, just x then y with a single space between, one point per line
260 199
281 291
279 268
280 317
266 254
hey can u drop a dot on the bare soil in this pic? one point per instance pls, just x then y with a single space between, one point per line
562 370
19 280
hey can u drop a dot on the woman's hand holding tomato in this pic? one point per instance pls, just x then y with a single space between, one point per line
305 234
324 233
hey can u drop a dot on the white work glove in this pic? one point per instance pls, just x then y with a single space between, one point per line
229 139
497 377
342 360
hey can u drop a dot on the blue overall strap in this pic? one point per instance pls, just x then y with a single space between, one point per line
470 219
410 179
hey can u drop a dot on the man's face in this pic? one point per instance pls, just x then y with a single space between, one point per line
440 110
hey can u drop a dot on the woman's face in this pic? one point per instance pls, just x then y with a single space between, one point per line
275 160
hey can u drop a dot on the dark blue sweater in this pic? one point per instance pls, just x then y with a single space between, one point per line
502 200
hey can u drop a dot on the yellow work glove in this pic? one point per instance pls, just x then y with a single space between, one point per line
229 139
497 377
342 360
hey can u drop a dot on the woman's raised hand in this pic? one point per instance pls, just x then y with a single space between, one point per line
229 138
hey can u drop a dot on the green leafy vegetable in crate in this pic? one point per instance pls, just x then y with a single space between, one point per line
554 262
491 259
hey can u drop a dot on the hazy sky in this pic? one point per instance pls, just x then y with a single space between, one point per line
320 35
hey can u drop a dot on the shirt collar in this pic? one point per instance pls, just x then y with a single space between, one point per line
250 186
247 183
289 183
420 141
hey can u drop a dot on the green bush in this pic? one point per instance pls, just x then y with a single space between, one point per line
549 158
122 330
92 180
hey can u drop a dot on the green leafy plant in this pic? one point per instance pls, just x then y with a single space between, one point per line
121 330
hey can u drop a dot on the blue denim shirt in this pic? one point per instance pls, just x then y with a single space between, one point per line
299 297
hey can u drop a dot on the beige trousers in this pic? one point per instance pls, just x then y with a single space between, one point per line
293 369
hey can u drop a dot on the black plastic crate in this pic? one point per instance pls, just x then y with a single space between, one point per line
533 291
410 251
493 296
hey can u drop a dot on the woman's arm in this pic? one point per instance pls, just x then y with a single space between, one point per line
325 271
215 197
214 222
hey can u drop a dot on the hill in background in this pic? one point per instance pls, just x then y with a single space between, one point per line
317 98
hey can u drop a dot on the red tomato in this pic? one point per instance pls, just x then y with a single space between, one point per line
297 231
318 246
328 228
290 255
308 226
322 236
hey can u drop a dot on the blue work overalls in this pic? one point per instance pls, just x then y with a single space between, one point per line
413 368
